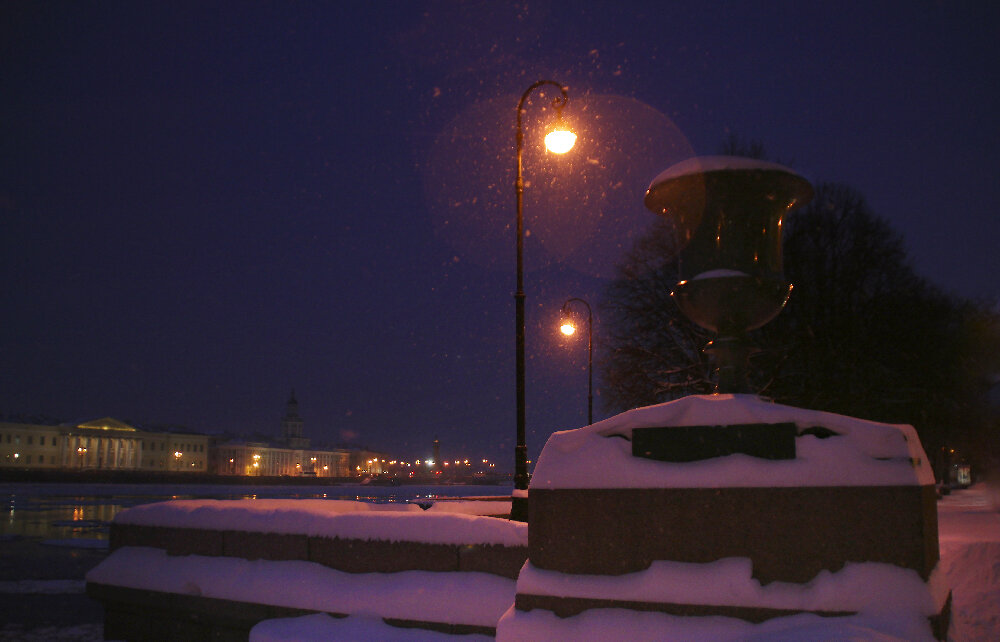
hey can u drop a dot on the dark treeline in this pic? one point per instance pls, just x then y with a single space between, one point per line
862 335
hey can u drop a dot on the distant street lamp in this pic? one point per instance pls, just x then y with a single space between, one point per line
568 327
558 141
177 458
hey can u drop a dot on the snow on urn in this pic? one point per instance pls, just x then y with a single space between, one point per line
728 212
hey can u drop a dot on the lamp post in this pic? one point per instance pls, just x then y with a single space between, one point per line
569 328
558 141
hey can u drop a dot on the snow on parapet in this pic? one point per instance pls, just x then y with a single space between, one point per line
328 518
861 453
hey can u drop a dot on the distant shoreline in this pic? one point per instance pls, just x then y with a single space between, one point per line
170 477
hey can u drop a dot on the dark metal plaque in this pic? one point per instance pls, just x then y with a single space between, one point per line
695 443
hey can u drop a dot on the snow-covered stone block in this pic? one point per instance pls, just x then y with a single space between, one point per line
854 492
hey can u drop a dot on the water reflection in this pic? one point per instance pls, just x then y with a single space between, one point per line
68 517
85 512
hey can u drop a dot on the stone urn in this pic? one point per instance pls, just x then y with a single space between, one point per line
728 214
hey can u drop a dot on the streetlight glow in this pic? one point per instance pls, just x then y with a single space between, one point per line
560 141
568 328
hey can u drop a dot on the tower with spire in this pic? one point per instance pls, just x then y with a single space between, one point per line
291 426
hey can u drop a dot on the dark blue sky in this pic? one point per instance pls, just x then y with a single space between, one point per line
204 205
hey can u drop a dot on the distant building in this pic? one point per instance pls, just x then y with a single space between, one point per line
110 444
290 455
176 451
265 460
101 444
291 426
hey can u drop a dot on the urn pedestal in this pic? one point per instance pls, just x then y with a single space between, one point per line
844 527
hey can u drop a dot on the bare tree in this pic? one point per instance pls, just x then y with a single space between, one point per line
652 352
862 335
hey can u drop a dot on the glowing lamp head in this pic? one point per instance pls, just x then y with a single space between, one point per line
560 140
567 328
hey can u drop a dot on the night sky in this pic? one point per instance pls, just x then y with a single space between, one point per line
205 205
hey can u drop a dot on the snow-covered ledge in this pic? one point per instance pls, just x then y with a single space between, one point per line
228 564
330 519
469 599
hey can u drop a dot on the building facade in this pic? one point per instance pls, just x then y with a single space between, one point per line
266 460
109 444
182 452
102 444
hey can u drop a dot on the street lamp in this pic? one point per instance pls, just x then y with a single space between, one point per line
569 328
558 141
